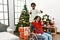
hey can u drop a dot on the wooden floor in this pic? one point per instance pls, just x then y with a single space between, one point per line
57 37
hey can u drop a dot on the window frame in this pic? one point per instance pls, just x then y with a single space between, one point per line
5 11
17 11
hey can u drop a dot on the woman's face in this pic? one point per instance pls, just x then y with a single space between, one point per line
38 19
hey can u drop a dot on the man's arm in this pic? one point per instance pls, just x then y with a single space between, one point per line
40 11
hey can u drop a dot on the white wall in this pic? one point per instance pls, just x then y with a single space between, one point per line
51 7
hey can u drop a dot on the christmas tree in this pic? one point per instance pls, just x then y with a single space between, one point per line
23 19
46 19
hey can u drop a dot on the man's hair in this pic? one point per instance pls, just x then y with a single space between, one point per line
33 4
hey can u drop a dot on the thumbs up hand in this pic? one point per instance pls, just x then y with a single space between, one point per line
30 12
41 11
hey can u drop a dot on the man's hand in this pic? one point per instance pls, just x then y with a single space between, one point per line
41 11
30 12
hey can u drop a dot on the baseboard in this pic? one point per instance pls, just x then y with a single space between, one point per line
58 32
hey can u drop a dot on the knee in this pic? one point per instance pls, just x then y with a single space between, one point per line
45 37
50 35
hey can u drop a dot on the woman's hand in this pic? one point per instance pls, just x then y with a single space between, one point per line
33 21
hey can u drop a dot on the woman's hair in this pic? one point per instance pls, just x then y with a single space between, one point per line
33 4
37 17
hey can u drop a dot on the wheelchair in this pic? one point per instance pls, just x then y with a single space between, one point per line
34 36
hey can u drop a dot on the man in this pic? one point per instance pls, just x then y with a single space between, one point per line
34 12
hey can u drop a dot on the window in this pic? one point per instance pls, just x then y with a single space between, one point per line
4 12
19 4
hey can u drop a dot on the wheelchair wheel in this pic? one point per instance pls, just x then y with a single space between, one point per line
33 38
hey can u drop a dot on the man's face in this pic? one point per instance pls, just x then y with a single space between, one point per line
33 6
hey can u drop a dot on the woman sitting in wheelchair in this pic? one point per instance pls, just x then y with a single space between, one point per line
39 30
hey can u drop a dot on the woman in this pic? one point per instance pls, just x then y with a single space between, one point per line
38 26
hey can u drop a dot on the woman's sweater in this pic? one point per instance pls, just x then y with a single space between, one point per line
38 27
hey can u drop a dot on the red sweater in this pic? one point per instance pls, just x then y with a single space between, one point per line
38 27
